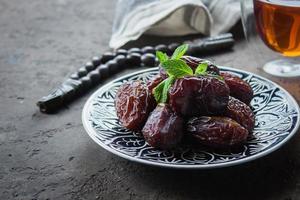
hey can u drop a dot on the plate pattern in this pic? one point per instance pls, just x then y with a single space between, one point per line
277 118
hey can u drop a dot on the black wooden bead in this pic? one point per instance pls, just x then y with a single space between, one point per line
134 50
82 72
86 82
70 88
172 47
134 59
96 60
112 66
95 77
148 49
121 60
75 84
104 71
162 48
80 88
148 60
191 50
121 52
74 76
107 57
89 66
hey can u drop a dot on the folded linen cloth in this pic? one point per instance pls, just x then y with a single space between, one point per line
172 18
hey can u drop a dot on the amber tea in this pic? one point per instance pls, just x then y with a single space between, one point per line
278 24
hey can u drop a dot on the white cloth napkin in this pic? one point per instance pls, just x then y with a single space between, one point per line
172 18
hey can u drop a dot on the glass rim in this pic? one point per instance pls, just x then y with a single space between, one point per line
286 3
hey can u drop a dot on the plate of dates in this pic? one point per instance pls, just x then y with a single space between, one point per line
195 116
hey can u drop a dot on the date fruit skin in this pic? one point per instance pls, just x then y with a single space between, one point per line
133 104
163 129
240 112
216 132
239 88
193 62
152 83
194 96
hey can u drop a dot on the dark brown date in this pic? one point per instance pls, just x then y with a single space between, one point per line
240 112
217 132
163 128
193 62
195 96
152 83
239 88
133 104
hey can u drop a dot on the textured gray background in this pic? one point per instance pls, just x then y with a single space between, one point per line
51 156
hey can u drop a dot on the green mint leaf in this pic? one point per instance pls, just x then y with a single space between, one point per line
158 91
162 57
180 51
167 85
177 68
201 69
161 91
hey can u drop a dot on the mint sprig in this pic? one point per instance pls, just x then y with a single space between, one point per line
162 57
162 89
180 51
169 82
201 69
158 91
175 68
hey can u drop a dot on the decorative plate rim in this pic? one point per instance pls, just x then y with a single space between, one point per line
91 132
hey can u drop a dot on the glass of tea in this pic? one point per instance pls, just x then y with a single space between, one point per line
276 23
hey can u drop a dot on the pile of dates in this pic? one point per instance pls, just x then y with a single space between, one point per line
207 109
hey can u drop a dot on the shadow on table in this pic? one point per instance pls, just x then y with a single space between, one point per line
266 178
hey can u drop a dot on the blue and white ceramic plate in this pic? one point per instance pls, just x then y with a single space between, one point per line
277 120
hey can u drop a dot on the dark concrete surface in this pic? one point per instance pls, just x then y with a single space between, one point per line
51 157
